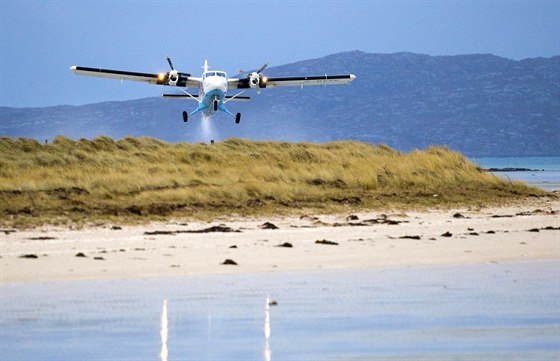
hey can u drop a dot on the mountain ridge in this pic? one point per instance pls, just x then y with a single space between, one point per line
479 104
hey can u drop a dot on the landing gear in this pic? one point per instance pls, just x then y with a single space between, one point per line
237 118
215 105
185 117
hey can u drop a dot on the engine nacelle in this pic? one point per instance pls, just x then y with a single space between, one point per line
172 77
254 80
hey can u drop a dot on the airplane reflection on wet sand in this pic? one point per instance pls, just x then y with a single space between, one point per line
165 331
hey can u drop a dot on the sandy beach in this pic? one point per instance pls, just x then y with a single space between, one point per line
528 231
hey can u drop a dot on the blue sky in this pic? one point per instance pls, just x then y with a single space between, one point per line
40 40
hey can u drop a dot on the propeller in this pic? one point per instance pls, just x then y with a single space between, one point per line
262 68
258 71
255 78
170 63
173 76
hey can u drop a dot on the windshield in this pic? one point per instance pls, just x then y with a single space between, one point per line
215 73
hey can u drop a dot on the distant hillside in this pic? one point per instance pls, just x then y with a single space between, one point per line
477 104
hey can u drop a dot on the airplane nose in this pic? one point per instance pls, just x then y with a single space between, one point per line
217 83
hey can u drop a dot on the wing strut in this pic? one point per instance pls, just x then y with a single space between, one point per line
235 96
189 94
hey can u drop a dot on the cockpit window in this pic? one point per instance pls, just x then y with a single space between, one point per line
215 73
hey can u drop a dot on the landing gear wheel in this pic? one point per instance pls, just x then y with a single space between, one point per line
185 117
237 118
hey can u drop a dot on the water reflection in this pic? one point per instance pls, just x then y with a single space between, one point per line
267 330
267 352
164 332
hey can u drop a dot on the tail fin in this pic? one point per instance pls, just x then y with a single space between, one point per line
205 65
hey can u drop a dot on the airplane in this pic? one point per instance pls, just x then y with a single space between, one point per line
213 85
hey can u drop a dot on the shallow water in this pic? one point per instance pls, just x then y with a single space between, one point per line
545 173
494 311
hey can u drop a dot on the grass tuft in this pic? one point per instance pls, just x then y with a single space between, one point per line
144 179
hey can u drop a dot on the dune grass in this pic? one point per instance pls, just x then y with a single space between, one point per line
144 179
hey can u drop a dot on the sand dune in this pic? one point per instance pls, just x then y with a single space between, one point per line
366 240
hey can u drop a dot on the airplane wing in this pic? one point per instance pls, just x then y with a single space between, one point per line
243 83
184 80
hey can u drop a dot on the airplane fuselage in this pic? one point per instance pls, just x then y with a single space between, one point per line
212 92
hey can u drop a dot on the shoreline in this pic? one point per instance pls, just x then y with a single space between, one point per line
528 231
325 272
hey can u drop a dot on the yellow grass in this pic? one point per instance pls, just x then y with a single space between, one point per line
141 179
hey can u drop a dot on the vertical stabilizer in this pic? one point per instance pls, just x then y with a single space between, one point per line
205 65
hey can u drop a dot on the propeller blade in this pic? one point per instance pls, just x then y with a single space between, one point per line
240 71
262 68
170 63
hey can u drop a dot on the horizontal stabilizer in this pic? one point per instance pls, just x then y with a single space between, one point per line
237 99
178 96
194 96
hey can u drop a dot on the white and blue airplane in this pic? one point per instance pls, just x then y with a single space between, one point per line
213 85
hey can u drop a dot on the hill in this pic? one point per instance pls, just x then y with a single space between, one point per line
141 179
478 104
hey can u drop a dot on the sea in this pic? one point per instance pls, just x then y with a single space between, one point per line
493 311
544 172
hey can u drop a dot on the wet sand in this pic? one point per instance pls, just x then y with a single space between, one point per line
528 231
505 311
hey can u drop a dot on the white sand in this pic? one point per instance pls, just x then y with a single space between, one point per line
129 253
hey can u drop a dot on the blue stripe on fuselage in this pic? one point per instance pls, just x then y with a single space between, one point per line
207 106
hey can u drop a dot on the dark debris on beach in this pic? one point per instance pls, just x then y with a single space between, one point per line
285 245
410 237
327 242
219 228
268 225
229 262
